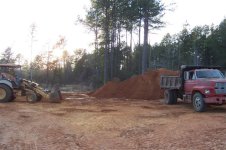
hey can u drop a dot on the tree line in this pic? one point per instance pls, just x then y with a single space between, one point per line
115 24
201 45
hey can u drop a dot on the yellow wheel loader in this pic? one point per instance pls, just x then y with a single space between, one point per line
10 85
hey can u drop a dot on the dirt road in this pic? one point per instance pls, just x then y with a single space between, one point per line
82 122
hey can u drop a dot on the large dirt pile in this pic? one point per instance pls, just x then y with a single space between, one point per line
146 86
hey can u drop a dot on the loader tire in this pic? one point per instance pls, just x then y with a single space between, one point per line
170 97
12 98
31 97
6 93
39 98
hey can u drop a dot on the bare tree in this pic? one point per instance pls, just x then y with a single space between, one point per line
32 36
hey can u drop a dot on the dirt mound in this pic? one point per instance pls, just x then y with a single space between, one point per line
146 86
108 90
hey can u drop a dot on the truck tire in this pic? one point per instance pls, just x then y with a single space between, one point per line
175 96
198 102
31 97
170 97
6 93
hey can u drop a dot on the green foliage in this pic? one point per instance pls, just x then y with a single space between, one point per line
114 24
202 45
7 56
109 20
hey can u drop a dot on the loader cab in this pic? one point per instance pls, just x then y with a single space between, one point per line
10 69
12 73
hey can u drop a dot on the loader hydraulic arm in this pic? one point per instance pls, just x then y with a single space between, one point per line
34 92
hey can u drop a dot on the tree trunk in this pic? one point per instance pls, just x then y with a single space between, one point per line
97 57
131 39
106 50
106 63
130 52
117 65
126 39
112 55
145 48
140 51
47 69
96 38
139 33
179 56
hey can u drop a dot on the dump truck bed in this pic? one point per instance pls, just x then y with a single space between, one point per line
170 82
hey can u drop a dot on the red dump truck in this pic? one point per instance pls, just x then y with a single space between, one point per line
199 85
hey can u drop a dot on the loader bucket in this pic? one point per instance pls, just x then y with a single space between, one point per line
55 94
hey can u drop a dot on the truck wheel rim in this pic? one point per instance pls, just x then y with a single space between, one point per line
2 93
198 102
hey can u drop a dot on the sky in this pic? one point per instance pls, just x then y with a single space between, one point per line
55 18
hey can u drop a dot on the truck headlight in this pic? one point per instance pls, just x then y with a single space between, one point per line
207 91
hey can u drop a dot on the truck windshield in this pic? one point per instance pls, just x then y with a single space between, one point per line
209 74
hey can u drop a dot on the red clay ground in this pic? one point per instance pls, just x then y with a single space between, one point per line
82 122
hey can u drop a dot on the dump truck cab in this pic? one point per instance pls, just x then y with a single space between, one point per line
199 85
202 80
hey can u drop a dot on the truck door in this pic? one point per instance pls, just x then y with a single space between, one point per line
189 82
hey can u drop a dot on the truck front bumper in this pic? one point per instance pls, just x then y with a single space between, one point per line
215 100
